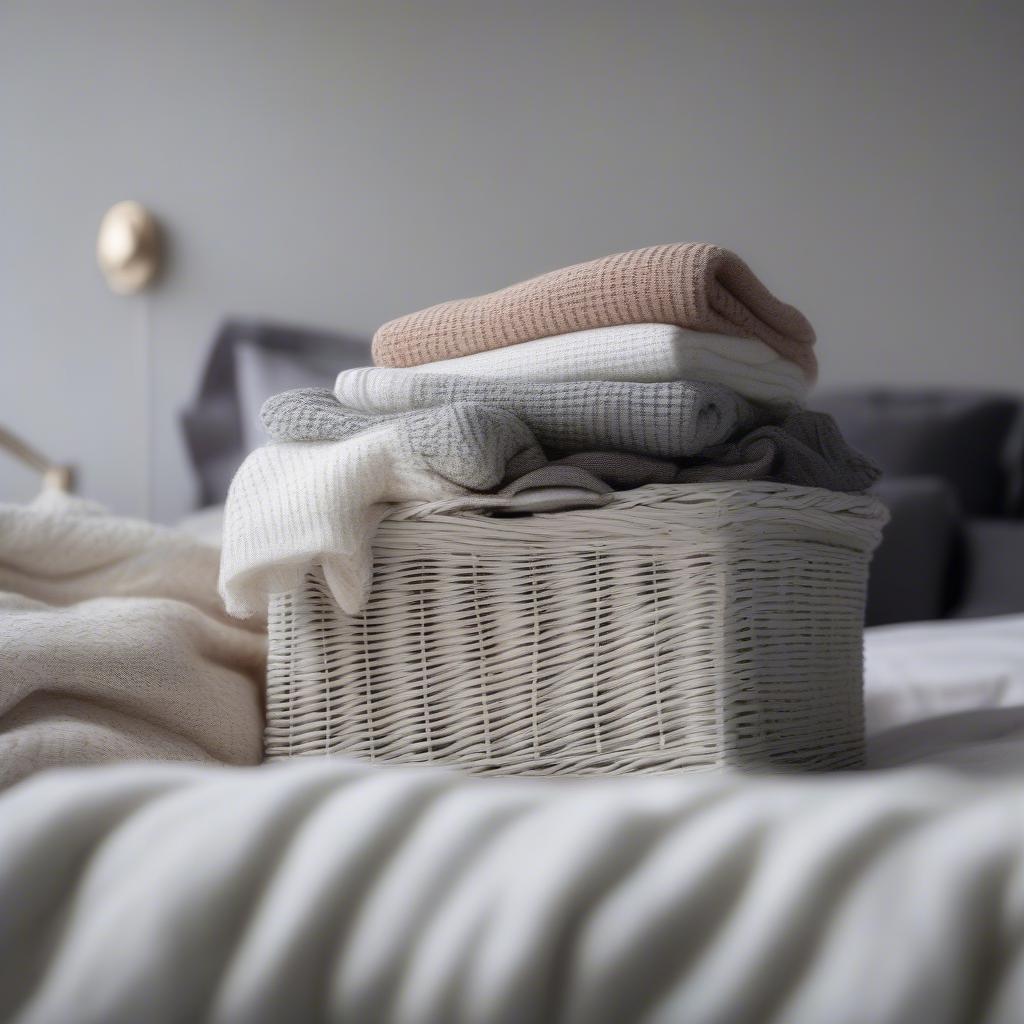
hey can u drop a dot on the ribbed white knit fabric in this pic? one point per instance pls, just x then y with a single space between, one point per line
642 353
295 505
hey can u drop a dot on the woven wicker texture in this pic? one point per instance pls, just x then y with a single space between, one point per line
679 627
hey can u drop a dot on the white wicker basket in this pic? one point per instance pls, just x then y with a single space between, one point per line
678 627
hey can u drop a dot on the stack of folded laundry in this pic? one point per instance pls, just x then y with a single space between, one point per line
671 364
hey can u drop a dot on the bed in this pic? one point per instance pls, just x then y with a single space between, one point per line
152 870
338 891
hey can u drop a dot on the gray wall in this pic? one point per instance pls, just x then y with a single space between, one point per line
340 164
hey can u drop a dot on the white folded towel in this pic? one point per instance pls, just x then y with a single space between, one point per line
642 353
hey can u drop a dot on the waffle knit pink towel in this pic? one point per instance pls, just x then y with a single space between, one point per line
695 285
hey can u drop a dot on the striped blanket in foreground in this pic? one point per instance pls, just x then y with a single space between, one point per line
338 892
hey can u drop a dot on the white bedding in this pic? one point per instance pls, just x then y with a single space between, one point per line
986 742
928 669
333 892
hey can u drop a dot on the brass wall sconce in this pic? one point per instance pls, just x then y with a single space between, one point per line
128 247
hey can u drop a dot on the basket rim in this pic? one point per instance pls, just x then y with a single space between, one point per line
749 493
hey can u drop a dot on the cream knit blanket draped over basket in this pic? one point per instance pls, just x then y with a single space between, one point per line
678 627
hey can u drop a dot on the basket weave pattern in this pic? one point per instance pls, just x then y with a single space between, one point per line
679 627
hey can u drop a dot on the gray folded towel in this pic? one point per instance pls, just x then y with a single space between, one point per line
482 446
671 420
469 444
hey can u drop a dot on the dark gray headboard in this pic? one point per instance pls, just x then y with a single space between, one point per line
954 466
248 362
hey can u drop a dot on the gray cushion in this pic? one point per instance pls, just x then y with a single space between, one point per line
994 573
263 370
912 571
966 438
249 361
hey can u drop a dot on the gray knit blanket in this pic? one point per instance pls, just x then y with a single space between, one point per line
806 449
477 445
670 420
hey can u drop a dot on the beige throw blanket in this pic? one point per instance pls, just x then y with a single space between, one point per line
114 645
695 285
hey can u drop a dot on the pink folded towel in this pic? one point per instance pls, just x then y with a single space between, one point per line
694 285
